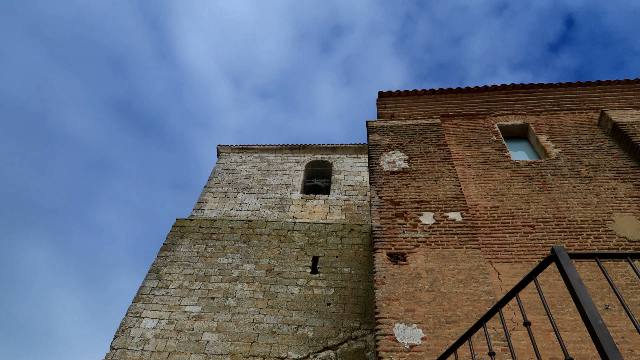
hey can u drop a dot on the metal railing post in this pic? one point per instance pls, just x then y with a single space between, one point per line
588 312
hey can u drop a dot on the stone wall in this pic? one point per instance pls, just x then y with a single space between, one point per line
233 289
265 182
235 281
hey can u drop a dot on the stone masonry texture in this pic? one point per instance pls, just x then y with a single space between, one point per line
264 182
425 228
234 280
235 289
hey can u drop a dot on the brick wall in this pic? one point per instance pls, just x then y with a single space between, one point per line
624 127
418 104
264 182
232 289
522 208
411 208
585 195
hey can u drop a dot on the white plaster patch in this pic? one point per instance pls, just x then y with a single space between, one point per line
394 161
427 218
455 215
408 335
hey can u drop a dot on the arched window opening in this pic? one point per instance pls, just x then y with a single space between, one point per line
317 178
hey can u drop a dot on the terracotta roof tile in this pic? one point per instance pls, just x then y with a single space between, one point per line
293 145
498 87
355 146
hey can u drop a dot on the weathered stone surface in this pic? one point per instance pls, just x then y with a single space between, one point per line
263 182
242 289
234 280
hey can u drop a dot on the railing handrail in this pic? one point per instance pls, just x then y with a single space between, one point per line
593 321
605 255
510 295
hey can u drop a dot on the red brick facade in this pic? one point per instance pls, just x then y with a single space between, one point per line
512 212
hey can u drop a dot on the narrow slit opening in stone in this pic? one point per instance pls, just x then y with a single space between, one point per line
314 264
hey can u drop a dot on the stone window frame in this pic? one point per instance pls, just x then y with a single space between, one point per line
305 174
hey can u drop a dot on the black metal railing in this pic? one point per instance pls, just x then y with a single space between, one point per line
595 326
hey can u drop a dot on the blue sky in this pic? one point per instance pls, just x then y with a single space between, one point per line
110 113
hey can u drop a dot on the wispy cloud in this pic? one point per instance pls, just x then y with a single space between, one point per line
111 111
